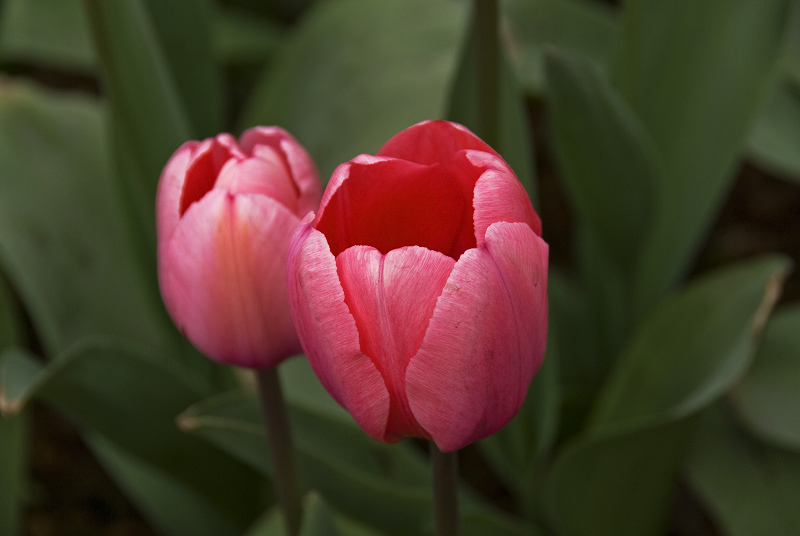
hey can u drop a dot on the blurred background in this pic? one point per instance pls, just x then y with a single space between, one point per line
95 96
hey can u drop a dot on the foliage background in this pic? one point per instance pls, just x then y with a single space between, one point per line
658 138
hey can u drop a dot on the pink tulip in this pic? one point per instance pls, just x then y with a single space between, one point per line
224 215
419 289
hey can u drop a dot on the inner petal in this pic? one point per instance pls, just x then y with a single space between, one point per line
259 176
392 298
207 161
394 203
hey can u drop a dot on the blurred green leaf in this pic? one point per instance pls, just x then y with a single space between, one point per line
515 144
775 136
171 506
51 33
149 121
270 524
240 37
385 486
608 160
686 355
185 37
768 398
134 407
13 472
9 322
318 520
63 243
695 74
751 489
585 27
354 73
303 390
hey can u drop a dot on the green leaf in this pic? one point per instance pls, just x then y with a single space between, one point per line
608 160
694 73
384 486
13 472
134 407
318 519
270 524
750 488
685 356
580 26
775 136
186 39
387 487
514 141
149 121
242 38
168 503
356 72
51 33
9 322
768 398
63 243
617 484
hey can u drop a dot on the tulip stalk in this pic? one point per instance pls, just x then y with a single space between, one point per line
279 437
444 467
486 21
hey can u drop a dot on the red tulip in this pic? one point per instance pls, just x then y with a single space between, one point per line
419 289
224 215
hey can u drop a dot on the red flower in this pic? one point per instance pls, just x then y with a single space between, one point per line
419 290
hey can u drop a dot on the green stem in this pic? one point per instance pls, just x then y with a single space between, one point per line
279 437
444 466
487 57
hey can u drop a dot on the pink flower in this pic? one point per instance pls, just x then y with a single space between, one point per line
224 215
419 290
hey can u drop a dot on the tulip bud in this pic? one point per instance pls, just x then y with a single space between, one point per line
224 215
419 289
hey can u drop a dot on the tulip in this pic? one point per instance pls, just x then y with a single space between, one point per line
225 212
419 289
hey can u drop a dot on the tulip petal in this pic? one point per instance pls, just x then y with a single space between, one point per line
259 175
389 204
431 142
170 188
300 165
329 333
222 276
485 341
207 160
499 196
392 298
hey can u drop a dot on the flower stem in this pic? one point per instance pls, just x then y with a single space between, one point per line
444 466
487 57
279 437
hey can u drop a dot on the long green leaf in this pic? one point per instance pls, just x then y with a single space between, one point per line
775 136
131 397
695 73
750 488
63 243
608 160
169 504
580 26
768 398
386 487
684 357
186 38
355 72
149 120
514 142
